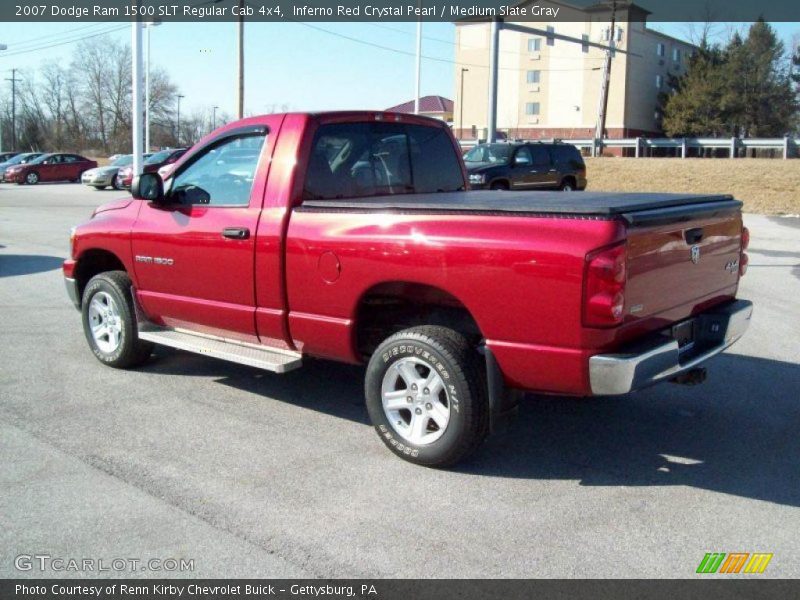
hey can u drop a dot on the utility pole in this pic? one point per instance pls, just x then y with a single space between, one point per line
240 49
418 70
178 132
13 81
461 97
214 117
602 108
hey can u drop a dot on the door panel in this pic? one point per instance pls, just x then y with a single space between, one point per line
191 272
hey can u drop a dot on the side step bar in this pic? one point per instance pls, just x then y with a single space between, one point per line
261 357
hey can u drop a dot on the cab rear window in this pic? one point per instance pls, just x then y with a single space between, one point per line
354 160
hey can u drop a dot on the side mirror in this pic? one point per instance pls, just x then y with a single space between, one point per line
148 186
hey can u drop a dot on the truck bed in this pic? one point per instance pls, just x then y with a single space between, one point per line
590 204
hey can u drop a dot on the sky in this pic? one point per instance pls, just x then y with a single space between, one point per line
288 66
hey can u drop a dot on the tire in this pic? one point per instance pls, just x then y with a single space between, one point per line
423 433
32 178
568 185
499 185
100 187
107 299
117 184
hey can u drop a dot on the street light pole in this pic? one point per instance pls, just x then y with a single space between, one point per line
148 26
240 61
178 132
2 47
214 117
138 107
461 98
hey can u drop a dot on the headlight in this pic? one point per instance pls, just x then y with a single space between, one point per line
477 178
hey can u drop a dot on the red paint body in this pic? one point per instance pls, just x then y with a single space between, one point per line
298 280
52 167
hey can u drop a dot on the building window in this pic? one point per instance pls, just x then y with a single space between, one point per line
534 76
676 55
659 82
551 41
531 108
585 44
535 45
660 49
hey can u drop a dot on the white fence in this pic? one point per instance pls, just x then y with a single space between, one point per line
788 147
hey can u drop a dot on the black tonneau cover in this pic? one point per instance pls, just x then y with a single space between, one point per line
633 207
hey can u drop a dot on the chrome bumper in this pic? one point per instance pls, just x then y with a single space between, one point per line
72 291
656 360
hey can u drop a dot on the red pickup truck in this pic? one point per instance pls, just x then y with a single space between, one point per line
354 237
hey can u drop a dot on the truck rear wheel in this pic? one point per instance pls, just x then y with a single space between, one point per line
427 396
109 321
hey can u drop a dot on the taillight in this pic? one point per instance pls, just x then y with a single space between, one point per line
604 287
743 258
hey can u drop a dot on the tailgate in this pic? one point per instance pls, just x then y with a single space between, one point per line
680 263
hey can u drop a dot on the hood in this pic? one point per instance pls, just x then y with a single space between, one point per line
114 205
483 167
106 169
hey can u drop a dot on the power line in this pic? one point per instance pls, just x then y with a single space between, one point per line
63 43
433 58
68 33
452 43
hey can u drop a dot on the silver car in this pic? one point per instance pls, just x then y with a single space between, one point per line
102 177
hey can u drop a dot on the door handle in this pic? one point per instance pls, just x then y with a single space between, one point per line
236 233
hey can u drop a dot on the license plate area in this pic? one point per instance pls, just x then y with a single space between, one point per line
685 334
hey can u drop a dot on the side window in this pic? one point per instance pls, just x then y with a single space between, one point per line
70 158
222 175
523 156
356 160
541 157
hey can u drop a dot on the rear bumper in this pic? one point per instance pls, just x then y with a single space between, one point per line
658 358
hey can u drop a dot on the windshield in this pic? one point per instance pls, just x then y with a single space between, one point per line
158 157
123 161
21 158
490 153
39 159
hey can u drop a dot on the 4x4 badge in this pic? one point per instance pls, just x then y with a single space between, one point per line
695 254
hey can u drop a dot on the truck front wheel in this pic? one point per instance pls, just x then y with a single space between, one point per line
109 321
427 396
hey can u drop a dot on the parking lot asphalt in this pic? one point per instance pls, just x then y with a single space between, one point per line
261 475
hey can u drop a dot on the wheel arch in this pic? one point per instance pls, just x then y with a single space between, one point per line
391 306
94 261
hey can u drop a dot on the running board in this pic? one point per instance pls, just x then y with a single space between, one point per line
253 355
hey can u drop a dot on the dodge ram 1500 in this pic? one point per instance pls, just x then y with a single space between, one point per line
354 237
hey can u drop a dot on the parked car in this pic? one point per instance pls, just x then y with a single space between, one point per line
19 159
4 156
350 237
152 164
102 177
525 166
50 167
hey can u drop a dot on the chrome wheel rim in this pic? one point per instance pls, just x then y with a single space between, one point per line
415 401
105 322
